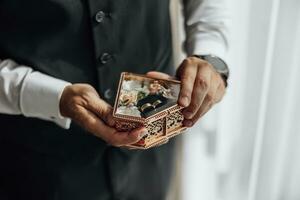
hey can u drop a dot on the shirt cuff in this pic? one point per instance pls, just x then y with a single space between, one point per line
207 47
40 96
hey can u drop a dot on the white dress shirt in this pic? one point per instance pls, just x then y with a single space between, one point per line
33 94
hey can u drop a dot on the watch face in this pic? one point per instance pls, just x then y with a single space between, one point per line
218 63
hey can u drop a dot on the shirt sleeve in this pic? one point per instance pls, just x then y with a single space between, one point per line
207 27
31 93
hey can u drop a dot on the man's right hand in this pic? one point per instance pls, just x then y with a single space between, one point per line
81 103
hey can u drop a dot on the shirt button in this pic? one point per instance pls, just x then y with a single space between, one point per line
100 16
108 94
105 58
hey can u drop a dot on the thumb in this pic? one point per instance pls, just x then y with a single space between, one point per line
102 109
160 75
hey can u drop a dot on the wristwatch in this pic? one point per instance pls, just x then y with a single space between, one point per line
219 65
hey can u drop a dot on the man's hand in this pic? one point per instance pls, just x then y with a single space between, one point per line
201 87
81 103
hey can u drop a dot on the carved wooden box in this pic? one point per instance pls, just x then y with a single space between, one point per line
144 101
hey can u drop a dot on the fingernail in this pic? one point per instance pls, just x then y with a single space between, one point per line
143 134
188 114
188 123
184 101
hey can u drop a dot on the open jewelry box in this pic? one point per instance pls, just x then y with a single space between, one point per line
144 101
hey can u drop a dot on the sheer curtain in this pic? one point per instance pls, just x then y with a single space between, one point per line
248 146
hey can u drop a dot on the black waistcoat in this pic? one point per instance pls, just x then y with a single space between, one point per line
90 41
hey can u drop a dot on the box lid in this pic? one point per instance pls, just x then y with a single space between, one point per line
141 98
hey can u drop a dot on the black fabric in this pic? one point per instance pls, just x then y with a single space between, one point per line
39 160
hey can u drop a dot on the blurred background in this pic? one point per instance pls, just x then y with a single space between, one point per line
248 146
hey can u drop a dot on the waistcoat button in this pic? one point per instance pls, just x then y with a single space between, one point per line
108 94
100 16
105 58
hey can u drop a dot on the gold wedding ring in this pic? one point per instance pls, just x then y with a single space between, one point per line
156 103
145 106
148 105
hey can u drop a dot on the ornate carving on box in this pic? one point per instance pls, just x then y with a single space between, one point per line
174 120
123 125
144 101
156 128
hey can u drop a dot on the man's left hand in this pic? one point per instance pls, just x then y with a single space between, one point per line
201 87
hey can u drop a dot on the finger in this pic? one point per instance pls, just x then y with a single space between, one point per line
220 92
204 111
114 137
96 126
187 74
214 95
102 109
202 85
125 138
159 75
205 107
210 99
91 122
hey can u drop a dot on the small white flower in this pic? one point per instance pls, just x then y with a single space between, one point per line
131 85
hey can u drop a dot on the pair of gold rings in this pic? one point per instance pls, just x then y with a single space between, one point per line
149 105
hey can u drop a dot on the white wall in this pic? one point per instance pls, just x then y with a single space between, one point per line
248 146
